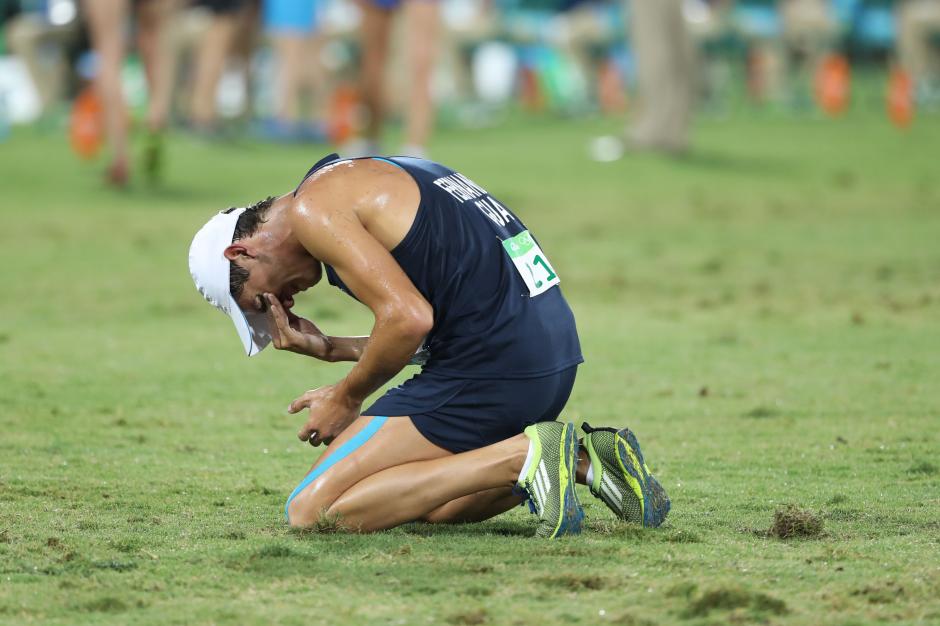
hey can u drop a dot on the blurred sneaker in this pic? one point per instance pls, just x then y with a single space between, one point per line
153 156
621 478
548 478
118 174
273 129
414 150
609 148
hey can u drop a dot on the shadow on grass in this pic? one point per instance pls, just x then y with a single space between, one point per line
748 165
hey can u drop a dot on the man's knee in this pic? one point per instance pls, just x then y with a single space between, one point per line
310 505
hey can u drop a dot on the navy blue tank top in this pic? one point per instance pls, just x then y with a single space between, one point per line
487 323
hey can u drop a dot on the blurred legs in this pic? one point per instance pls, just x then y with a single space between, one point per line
106 20
374 32
210 63
423 28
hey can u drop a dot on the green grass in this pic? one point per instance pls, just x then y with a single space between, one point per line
764 314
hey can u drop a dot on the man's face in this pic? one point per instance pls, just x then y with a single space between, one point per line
282 277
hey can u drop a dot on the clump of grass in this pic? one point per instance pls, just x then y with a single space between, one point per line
793 521
762 412
731 598
682 536
880 594
924 468
469 618
273 551
572 582
629 619
682 590
325 525
107 604
839 498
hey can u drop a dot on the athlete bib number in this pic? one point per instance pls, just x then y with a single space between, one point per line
531 263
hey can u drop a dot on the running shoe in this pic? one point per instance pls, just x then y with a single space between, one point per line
621 478
549 480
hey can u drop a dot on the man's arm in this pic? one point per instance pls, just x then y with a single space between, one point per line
296 334
333 233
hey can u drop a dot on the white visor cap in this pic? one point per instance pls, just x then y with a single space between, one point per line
210 271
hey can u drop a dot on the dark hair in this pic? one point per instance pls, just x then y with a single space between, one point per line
246 226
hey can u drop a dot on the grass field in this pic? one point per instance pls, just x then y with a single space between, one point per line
764 314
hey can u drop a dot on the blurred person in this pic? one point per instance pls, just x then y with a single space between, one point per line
423 25
663 48
292 26
809 33
918 32
664 55
212 53
107 20
39 33
474 433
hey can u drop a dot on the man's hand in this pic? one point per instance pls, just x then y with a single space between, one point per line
289 332
331 411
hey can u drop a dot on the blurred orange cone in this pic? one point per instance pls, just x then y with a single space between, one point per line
900 98
343 120
833 81
611 94
530 91
85 126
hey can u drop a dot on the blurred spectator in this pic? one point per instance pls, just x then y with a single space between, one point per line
809 33
292 26
107 20
39 34
665 57
221 21
919 41
423 25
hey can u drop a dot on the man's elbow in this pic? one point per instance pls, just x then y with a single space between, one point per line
420 322
416 320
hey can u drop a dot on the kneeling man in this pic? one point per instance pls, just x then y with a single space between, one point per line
457 282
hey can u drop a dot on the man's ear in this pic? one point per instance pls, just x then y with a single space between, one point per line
238 251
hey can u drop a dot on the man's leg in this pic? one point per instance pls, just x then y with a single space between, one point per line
377 478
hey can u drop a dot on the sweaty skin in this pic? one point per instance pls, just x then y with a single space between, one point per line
348 215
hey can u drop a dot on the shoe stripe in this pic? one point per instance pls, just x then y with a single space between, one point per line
612 488
544 474
610 497
537 479
539 494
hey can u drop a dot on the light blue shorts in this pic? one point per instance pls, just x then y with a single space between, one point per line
290 16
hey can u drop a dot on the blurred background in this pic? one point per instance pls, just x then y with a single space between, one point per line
352 74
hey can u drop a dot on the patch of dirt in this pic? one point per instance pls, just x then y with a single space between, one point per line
793 521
